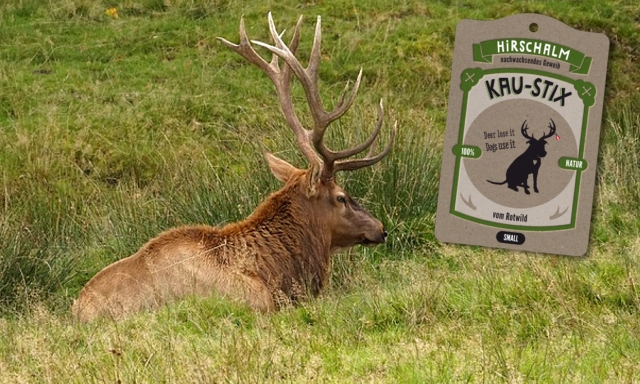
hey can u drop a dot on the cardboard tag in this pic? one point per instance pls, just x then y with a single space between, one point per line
521 143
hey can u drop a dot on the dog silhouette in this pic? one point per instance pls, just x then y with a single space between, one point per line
528 163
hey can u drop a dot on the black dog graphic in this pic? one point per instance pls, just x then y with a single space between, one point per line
529 162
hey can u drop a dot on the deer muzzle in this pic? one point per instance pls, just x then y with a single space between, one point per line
374 238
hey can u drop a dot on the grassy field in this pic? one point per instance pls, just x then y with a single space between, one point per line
113 129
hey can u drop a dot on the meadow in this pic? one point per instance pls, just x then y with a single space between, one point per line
120 119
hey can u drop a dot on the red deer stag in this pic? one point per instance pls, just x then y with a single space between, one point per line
281 253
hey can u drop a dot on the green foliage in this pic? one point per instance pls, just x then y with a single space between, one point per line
114 129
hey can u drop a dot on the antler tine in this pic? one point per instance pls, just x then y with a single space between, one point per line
552 127
369 143
343 106
314 58
245 50
293 46
353 164
523 130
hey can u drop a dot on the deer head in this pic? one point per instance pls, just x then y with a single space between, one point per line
326 201
537 145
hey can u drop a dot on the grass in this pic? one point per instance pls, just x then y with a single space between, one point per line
113 130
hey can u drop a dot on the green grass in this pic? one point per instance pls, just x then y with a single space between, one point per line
113 130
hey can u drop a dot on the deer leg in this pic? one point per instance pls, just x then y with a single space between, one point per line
512 183
535 176
257 295
526 186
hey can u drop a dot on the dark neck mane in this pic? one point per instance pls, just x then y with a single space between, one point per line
290 247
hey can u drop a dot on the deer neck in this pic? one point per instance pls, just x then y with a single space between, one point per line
281 209
283 230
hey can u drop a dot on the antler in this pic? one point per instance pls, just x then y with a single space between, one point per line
552 127
308 140
523 130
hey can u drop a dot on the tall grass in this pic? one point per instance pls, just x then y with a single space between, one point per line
113 130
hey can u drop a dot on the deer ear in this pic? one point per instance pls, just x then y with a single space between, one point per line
313 179
280 168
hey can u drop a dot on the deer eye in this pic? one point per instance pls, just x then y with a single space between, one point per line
341 199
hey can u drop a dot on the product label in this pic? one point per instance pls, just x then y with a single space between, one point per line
521 142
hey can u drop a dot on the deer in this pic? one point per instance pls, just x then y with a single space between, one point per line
528 163
280 255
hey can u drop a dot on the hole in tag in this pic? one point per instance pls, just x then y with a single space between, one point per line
533 27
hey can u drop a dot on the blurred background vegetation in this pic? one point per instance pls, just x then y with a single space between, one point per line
120 119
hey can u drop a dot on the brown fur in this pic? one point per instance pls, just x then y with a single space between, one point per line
275 257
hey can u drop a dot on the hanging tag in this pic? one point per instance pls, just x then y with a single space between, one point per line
521 143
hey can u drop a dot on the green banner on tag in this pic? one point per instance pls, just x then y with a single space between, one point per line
484 51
